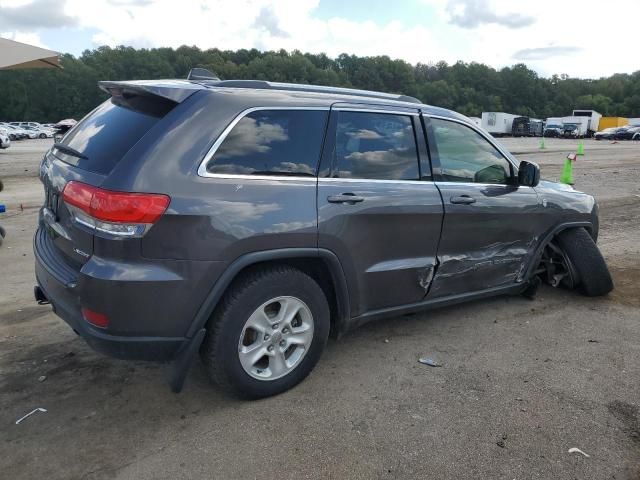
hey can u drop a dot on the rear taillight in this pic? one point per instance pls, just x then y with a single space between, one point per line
96 319
121 214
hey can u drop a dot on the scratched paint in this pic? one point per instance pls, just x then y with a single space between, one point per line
496 264
425 276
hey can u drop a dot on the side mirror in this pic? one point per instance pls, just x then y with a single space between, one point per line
528 174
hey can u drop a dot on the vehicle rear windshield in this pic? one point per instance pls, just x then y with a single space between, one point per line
108 133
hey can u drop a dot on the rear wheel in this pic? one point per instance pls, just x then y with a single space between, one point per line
268 332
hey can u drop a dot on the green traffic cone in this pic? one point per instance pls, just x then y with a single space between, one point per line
580 148
567 173
542 147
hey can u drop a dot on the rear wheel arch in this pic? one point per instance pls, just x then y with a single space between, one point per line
321 265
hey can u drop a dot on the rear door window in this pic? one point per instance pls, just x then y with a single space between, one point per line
272 142
378 146
108 133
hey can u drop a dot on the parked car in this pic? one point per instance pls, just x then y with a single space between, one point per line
571 130
606 134
39 132
35 125
25 131
15 133
249 220
5 140
627 133
553 130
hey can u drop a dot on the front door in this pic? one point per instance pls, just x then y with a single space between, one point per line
378 208
488 230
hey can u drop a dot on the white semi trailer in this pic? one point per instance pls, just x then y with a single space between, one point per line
594 120
581 122
498 124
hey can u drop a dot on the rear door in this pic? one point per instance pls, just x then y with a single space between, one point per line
488 232
378 208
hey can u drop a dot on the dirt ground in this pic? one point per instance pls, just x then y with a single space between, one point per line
521 381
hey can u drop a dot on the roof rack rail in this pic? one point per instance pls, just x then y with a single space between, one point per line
263 84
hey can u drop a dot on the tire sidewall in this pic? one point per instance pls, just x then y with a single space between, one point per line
293 284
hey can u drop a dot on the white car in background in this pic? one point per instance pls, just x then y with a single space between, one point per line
26 124
15 133
5 141
40 132
30 133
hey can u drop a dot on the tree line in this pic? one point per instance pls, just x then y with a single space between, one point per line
469 88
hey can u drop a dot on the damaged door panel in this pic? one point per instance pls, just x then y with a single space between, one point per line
488 243
491 223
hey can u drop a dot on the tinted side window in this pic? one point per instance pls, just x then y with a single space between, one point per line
284 142
465 156
375 146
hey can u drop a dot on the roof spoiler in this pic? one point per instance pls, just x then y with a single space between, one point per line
174 90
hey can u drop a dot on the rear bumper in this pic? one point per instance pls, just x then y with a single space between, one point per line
61 289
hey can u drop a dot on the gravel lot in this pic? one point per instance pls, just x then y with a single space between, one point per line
522 381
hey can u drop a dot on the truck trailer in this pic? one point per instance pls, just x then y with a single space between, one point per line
594 120
526 127
581 122
612 122
498 124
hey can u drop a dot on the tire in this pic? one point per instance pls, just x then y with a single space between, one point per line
42 135
594 278
228 327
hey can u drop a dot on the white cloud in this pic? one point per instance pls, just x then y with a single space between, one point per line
29 38
588 36
264 24
495 32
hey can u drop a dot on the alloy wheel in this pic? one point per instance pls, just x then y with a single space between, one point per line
275 338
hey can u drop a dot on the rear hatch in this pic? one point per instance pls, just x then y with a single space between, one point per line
90 151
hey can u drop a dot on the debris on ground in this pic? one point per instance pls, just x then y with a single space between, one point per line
42 378
39 409
429 361
501 442
593 341
577 450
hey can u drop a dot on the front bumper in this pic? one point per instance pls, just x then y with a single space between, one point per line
59 284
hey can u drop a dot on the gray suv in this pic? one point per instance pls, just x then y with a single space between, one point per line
251 220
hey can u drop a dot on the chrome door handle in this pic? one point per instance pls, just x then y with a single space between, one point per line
462 200
349 198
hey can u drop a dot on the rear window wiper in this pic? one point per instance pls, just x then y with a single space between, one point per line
70 151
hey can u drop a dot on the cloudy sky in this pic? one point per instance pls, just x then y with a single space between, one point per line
582 39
